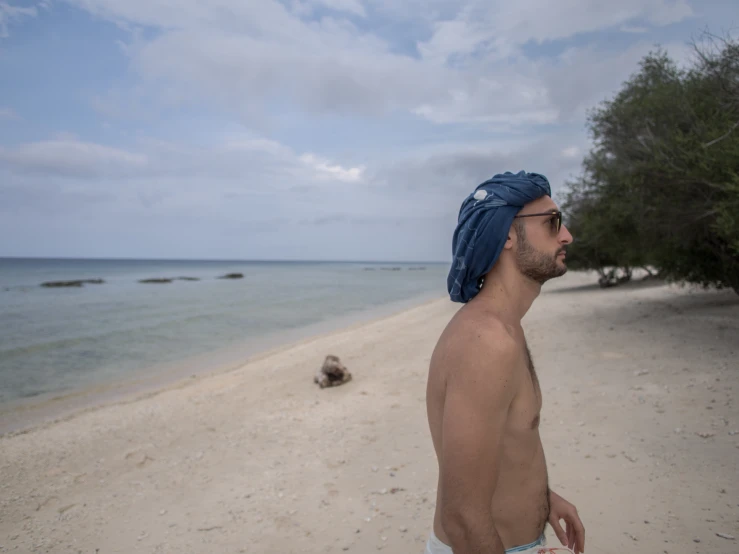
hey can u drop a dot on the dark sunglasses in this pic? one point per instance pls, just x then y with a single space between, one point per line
554 214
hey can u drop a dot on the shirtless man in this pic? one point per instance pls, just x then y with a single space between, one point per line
483 396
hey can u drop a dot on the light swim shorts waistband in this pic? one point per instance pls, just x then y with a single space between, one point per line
435 546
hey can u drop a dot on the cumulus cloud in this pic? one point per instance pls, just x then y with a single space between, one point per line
318 72
243 55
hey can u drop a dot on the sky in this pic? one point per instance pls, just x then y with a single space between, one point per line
299 129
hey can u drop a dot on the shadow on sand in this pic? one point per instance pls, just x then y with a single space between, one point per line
634 284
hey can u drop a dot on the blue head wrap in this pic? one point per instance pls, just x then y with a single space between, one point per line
482 228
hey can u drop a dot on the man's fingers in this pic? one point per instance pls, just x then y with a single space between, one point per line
578 532
561 535
570 536
581 538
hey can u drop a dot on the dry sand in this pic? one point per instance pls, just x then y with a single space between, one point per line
639 424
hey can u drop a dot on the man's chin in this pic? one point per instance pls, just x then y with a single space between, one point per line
561 268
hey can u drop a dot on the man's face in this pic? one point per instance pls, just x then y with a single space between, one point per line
540 250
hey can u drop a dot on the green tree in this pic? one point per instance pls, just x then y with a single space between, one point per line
660 186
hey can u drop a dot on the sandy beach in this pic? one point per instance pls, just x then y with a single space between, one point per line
640 425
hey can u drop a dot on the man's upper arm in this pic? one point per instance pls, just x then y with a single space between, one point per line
481 384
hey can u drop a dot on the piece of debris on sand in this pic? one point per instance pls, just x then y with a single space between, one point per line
332 373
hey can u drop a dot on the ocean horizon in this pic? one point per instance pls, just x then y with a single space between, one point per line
227 260
56 339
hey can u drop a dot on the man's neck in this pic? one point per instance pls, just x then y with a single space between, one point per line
509 294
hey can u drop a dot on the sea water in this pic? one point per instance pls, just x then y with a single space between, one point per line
61 339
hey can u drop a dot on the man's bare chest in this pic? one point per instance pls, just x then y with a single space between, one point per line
525 412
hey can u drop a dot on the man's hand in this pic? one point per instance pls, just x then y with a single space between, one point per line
574 537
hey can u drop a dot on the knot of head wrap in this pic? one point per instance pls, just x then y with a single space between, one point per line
482 227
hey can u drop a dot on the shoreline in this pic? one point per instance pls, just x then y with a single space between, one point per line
23 415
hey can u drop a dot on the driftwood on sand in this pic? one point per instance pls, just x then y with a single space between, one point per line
332 374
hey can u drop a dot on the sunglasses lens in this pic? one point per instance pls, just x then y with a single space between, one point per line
556 222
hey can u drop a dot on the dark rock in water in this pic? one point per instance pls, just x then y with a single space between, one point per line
233 276
77 283
155 280
188 278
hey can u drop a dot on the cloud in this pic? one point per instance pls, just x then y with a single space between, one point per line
379 220
466 65
428 98
33 198
236 143
324 169
224 192
633 29
307 7
69 157
316 70
245 161
10 14
497 28
499 103
454 171
239 178
580 78
413 201
571 152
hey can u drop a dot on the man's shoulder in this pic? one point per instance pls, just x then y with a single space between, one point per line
482 327
474 340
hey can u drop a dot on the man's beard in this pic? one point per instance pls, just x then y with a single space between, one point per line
535 265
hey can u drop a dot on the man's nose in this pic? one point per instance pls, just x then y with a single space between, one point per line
564 235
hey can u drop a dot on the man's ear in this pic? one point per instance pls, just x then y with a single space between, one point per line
512 237
508 243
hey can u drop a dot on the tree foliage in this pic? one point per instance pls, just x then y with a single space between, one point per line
660 186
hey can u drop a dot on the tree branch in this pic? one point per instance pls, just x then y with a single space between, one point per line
722 137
